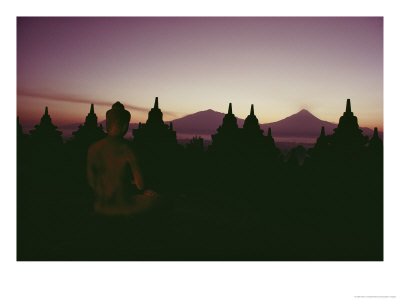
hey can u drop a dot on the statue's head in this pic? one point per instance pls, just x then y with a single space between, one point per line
117 120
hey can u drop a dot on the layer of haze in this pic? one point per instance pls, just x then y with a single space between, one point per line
280 65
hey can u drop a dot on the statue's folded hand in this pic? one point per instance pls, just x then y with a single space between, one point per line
150 193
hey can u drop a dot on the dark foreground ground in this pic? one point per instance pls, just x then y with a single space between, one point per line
205 227
215 208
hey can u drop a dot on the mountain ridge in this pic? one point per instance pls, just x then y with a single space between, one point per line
300 124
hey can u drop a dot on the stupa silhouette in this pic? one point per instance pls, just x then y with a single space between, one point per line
228 134
20 134
375 144
322 141
252 137
270 142
154 132
320 151
269 138
90 131
229 123
348 134
155 116
46 132
22 141
251 128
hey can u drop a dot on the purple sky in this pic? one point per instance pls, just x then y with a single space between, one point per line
280 65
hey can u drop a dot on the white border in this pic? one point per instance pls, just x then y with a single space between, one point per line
199 280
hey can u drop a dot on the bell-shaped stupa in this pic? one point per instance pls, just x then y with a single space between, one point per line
348 133
228 134
155 132
90 131
46 132
375 144
251 126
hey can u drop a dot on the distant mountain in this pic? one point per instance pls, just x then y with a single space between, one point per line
205 123
303 124
201 123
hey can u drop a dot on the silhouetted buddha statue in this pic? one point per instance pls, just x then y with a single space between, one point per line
46 132
113 171
89 132
228 133
348 133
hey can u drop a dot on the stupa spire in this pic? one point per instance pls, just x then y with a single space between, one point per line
348 133
45 131
348 106
376 143
91 118
252 110
155 132
230 109
322 131
269 131
90 131
375 132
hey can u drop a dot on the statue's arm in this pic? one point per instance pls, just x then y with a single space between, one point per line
137 174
